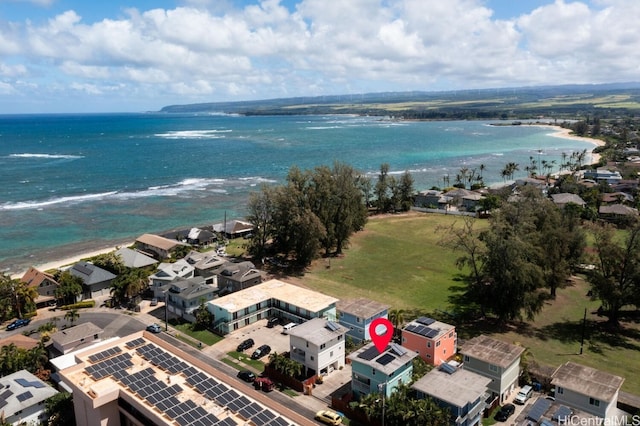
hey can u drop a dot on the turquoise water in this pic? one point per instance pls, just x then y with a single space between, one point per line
69 183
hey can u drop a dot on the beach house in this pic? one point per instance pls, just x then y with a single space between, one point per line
587 389
95 281
495 359
319 345
22 398
433 340
460 391
356 315
380 372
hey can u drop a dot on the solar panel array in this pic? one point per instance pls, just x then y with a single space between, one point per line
397 349
164 397
425 320
26 383
422 330
538 409
562 414
4 398
332 326
223 395
24 396
369 354
109 366
385 359
104 354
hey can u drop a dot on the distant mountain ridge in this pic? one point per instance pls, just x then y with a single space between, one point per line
567 98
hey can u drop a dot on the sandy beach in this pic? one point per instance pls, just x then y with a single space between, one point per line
561 132
70 260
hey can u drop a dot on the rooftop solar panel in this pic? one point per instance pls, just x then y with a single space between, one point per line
538 409
431 333
397 349
26 383
425 320
24 396
562 414
385 359
369 354
279 421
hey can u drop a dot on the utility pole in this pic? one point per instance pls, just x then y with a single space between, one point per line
584 325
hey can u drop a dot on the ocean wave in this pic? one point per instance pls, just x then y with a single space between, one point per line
48 156
323 127
194 134
22 205
185 186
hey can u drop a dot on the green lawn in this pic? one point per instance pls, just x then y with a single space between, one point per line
246 359
204 336
396 260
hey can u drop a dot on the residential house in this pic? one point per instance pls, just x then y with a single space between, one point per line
564 198
134 259
358 314
159 247
273 298
464 199
206 264
433 340
617 213
539 183
185 296
616 198
45 284
603 175
19 341
234 228
74 338
380 372
199 237
319 345
431 199
95 280
495 359
237 276
587 389
22 398
168 272
460 391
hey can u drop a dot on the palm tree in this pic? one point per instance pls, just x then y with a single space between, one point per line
72 315
25 297
396 316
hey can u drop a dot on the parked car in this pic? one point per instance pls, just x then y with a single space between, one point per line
154 302
247 376
20 322
524 394
245 344
329 417
261 351
154 328
272 322
505 412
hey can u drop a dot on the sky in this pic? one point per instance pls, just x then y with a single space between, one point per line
60 56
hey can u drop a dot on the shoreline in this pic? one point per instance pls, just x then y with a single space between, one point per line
74 257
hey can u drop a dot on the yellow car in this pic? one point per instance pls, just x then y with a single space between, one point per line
329 417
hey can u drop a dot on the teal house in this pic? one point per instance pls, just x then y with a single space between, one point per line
380 372
358 314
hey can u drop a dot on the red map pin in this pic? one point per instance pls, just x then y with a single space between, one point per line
381 340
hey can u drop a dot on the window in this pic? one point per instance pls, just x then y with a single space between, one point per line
357 319
428 344
340 337
257 306
331 353
493 368
559 390
311 357
246 311
437 343
451 334
594 402
428 356
322 346
404 340
466 358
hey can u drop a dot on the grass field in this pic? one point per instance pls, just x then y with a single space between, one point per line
397 260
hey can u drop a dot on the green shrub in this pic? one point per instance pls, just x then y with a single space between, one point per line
80 305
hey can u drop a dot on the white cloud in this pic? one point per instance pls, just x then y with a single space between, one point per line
212 51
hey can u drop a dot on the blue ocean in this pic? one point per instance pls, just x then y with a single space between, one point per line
72 183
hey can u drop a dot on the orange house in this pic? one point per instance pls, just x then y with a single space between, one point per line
433 340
